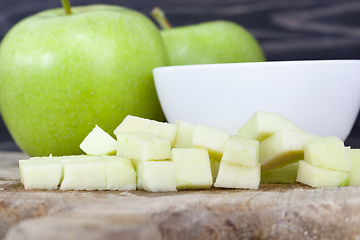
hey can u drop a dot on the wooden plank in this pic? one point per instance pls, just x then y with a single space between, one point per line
275 211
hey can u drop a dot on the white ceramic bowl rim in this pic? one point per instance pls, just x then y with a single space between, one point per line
257 64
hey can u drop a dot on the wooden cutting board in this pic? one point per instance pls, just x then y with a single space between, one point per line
274 211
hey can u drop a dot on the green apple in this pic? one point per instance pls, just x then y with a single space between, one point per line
208 42
60 74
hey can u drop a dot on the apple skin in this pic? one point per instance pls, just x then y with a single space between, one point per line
62 74
211 42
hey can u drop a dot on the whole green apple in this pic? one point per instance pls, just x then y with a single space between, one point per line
62 72
208 42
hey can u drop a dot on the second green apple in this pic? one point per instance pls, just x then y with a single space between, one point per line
208 42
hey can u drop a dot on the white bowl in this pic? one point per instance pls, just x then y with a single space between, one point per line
321 97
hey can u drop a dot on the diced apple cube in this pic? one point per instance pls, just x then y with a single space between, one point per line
120 173
210 138
215 165
327 152
241 151
72 158
286 174
143 146
282 148
40 174
262 124
98 142
156 176
354 174
321 177
238 176
193 169
33 160
184 135
84 174
137 124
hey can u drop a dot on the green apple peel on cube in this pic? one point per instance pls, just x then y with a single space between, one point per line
285 174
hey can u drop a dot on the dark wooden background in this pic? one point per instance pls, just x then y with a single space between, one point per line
286 29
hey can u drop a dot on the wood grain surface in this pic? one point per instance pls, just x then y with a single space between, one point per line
286 29
274 211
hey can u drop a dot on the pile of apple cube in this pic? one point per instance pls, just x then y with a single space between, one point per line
161 157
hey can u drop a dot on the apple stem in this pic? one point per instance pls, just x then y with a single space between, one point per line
67 6
160 17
